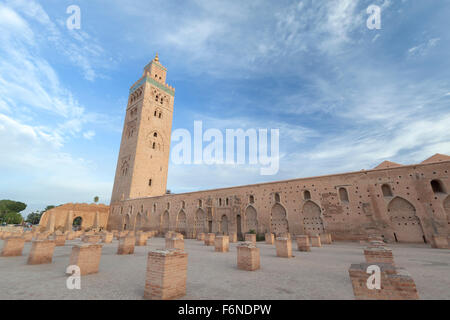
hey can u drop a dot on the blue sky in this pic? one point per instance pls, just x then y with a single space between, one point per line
344 97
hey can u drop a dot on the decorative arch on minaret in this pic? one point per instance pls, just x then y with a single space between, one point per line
155 140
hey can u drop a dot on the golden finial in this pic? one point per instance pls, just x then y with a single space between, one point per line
156 57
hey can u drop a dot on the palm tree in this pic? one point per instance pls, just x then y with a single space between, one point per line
96 199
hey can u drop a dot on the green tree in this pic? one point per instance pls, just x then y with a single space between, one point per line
34 217
11 206
96 198
9 211
13 218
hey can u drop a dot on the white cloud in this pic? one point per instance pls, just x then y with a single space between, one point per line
423 49
38 116
89 134
77 45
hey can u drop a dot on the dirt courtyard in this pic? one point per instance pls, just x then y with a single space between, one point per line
319 274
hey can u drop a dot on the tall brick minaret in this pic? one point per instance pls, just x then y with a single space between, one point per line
144 150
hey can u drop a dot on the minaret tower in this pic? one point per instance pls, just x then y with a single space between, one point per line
144 150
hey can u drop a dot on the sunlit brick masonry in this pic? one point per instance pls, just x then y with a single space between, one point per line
5 235
175 243
71 235
250 237
107 237
60 239
378 254
126 245
209 239
325 238
395 284
283 247
201 236
303 243
41 252
13 246
315 241
28 236
248 256
269 238
92 238
141 239
166 274
440 241
222 244
86 257
41 236
233 237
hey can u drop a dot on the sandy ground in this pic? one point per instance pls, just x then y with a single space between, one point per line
319 274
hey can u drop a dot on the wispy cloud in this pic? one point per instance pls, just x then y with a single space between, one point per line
422 49
344 97
38 114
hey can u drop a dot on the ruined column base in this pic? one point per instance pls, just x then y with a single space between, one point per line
439 242
141 239
13 246
250 237
209 239
325 238
201 237
126 245
379 255
315 241
270 239
107 237
222 244
248 257
41 252
232 237
92 238
166 274
60 240
303 243
396 283
284 247
175 243
86 257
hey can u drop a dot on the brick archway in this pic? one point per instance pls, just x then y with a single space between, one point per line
224 224
200 221
166 221
77 222
181 222
312 220
138 224
404 221
278 220
251 219
126 222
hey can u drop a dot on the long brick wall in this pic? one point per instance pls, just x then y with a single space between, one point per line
397 202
